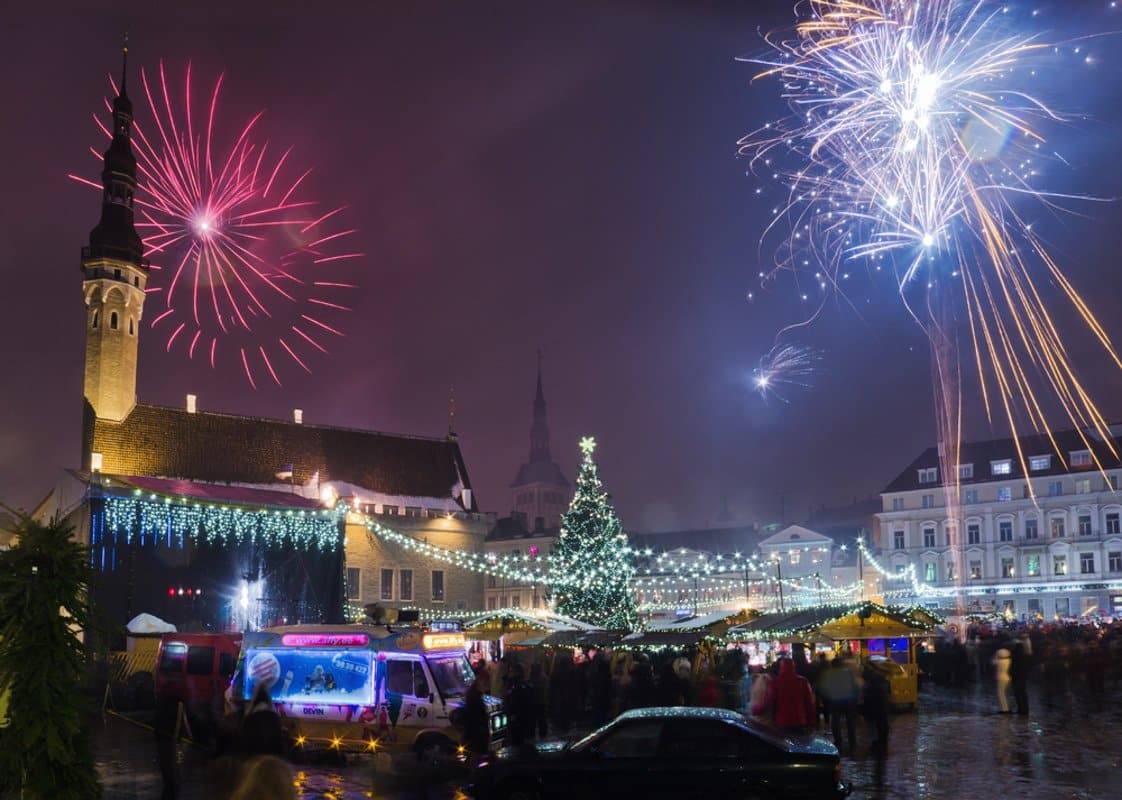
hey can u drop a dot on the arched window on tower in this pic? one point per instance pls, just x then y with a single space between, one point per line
95 315
132 331
113 320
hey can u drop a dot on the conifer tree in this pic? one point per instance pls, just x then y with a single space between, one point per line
44 751
591 566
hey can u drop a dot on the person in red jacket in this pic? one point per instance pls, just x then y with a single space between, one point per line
790 700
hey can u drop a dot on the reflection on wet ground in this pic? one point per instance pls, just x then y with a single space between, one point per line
955 745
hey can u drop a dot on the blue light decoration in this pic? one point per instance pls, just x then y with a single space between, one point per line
163 521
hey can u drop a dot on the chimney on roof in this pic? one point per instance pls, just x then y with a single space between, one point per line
298 416
191 403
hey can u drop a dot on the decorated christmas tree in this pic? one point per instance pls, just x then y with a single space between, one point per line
591 566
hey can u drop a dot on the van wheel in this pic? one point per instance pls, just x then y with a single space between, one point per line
434 749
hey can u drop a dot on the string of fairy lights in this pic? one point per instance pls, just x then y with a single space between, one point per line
150 519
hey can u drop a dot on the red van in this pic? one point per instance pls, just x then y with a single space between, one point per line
195 669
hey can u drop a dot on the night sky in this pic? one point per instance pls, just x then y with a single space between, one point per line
559 176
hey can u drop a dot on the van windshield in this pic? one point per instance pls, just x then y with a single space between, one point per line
453 674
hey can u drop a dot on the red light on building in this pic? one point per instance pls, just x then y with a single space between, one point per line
171 591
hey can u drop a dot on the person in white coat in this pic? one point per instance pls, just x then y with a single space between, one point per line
1001 662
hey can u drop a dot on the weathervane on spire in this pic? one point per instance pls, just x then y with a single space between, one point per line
587 446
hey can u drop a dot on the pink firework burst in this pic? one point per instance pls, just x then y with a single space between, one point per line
249 265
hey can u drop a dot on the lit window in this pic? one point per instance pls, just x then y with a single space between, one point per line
929 572
929 475
1059 565
1032 566
1003 467
950 571
795 555
1007 568
975 570
1080 458
965 471
1038 463
1058 531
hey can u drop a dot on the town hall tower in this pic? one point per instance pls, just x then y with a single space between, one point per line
114 276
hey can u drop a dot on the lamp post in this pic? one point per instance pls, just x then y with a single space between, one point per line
779 578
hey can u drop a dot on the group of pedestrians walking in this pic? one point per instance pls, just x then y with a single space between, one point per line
557 696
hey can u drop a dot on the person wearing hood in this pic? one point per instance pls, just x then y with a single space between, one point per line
789 699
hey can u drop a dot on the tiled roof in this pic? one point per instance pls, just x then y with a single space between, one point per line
220 493
222 448
980 454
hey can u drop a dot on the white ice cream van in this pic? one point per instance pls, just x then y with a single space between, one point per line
363 686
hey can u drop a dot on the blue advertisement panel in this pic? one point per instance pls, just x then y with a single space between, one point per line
313 675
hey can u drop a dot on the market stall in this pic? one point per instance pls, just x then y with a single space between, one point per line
866 630
490 634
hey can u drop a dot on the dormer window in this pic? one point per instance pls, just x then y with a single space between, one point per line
1039 463
1002 467
1080 458
965 472
929 475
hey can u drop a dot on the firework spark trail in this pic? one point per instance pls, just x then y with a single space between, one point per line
786 366
912 134
245 249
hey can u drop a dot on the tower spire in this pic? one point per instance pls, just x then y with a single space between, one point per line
125 63
539 431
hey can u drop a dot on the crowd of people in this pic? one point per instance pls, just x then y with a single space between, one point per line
559 694
1060 658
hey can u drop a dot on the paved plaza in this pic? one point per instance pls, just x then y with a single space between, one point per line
954 745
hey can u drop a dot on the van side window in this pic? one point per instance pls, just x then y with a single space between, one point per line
420 682
225 664
171 658
399 676
406 677
200 660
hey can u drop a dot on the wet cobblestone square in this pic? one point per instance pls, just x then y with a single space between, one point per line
955 745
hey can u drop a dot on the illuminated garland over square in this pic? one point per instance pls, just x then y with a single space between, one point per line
169 522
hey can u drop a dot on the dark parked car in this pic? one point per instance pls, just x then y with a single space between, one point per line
670 752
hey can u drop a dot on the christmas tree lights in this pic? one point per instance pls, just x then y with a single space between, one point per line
592 565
